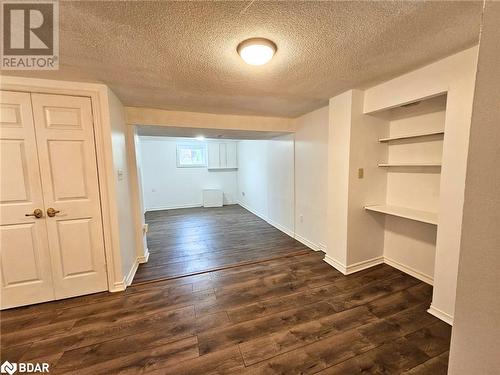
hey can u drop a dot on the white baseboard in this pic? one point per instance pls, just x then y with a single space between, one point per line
131 273
172 207
175 207
309 244
440 314
359 266
409 270
144 258
269 221
281 228
355 267
335 264
248 208
322 247
118 286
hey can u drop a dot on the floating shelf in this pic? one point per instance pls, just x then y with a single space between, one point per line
407 213
409 164
410 136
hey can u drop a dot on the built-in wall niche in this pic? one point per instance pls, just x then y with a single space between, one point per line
414 140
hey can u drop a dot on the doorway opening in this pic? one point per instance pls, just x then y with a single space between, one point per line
214 199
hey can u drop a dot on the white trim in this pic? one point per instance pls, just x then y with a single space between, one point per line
253 211
173 207
309 244
119 286
359 266
440 314
409 270
335 264
102 131
322 247
131 273
281 228
355 267
144 258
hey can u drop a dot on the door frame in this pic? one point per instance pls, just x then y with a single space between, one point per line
98 95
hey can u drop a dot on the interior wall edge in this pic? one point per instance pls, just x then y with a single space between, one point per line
161 117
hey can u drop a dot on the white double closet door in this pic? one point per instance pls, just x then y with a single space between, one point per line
48 166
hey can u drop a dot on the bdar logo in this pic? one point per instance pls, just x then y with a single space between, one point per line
8 368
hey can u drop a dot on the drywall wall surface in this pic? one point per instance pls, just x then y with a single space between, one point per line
365 230
431 80
411 245
280 180
253 176
475 338
339 138
135 166
311 178
454 75
165 186
455 149
126 214
160 117
266 180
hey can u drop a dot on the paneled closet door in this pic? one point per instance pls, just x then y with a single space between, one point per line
68 168
25 267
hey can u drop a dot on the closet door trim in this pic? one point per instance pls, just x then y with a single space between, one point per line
105 169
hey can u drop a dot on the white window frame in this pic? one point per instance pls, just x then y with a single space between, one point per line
199 146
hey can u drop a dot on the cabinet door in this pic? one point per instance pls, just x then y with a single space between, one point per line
213 156
25 267
68 169
232 155
223 155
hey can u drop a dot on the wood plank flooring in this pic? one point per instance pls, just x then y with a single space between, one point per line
192 240
293 315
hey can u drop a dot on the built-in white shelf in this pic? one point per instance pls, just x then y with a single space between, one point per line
409 164
407 213
410 136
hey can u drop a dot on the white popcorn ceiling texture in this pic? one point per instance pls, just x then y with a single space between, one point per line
182 55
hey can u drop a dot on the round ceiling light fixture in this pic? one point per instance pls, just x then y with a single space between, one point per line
256 51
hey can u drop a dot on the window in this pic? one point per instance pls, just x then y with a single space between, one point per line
191 155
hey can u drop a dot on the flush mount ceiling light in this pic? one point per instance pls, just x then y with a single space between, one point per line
256 51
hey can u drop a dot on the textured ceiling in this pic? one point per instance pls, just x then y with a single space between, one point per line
182 55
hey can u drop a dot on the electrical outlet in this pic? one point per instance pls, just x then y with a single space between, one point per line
301 218
243 193
361 172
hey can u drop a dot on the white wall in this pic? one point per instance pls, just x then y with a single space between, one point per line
252 176
280 180
355 238
455 76
475 340
165 186
126 214
266 180
311 177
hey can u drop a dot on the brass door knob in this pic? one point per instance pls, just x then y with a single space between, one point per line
52 212
38 213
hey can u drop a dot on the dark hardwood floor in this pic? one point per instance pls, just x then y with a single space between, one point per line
293 315
192 240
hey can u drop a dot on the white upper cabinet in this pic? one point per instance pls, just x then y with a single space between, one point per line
222 155
231 155
213 156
